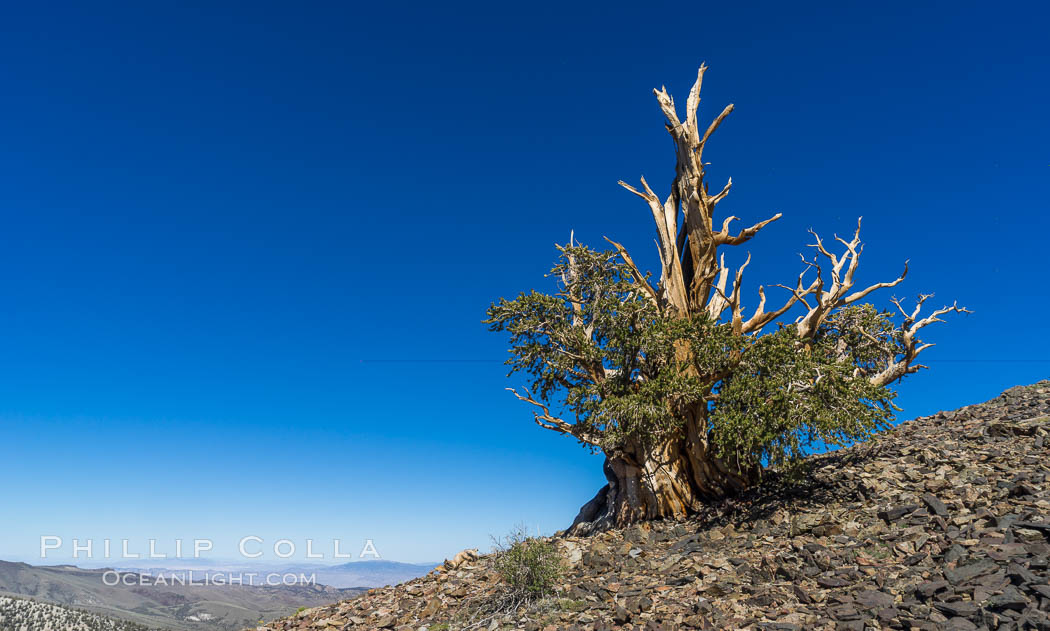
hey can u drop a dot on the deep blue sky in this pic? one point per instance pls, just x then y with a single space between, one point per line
215 215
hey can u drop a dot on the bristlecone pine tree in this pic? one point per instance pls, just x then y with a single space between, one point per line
689 397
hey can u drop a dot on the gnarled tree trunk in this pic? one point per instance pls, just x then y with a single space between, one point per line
672 479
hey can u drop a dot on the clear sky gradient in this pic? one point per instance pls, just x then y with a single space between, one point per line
246 248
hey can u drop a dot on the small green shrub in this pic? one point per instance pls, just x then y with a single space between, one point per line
568 604
529 566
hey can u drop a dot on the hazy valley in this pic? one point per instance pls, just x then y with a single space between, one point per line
197 606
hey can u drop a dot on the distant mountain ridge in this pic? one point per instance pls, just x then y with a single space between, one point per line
378 573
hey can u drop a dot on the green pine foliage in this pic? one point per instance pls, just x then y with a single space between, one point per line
601 353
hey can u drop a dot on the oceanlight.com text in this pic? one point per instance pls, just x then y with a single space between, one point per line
113 578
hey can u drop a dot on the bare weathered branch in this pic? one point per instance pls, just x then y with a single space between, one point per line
854 297
672 284
639 277
798 294
905 364
719 301
711 129
724 237
734 300
720 196
684 221
567 279
546 420
843 270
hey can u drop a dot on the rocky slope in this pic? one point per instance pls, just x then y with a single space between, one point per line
942 523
